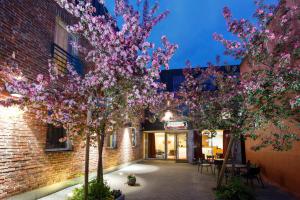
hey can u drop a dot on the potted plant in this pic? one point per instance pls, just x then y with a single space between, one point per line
131 180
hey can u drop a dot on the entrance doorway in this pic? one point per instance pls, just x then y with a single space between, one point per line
181 146
171 146
166 146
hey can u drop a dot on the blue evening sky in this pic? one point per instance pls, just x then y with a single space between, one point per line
191 24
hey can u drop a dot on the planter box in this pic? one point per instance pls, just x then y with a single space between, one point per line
122 197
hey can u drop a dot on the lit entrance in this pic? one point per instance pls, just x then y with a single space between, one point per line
171 147
181 146
166 145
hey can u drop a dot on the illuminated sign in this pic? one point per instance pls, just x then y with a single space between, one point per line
176 125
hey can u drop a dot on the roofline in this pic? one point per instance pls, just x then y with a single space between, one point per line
218 66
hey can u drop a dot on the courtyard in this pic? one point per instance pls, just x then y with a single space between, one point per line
166 180
105 99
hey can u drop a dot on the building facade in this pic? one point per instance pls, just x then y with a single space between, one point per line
279 168
31 32
177 139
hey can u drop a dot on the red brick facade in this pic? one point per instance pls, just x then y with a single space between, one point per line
27 28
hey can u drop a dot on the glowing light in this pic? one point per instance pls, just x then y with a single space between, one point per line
139 169
70 194
16 95
121 173
19 78
126 143
168 116
8 113
168 103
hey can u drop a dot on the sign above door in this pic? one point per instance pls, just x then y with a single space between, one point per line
176 125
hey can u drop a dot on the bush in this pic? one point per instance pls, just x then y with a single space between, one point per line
235 190
97 191
116 193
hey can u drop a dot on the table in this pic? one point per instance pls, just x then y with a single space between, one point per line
237 167
219 159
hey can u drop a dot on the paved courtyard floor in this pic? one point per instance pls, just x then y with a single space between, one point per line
164 180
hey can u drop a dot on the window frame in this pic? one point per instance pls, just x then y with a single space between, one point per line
133 140
68 142
115 142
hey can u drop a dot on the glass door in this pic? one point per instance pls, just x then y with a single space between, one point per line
181 146
171 147
155 146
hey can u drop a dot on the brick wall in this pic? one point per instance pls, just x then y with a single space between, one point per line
27 28
24 165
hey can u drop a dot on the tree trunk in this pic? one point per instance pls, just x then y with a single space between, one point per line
233 154
222 172
100 141
87 157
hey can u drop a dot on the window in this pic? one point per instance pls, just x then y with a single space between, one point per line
57 139
63 50
212 143
112 140
61 40
61 34
133 137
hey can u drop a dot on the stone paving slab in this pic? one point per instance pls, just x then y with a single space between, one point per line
165 180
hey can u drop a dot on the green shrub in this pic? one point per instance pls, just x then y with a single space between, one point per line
97 191
116 193
131 176
235 190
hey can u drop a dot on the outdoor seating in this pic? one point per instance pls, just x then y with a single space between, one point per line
253 173
233 170
205 163
217 165
219 155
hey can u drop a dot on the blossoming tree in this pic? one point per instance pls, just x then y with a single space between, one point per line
121 76
271 48
216 101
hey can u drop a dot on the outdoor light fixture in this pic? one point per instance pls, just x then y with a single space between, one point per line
168 103
19 78
110 128
168 116
16 95
225 115
128 125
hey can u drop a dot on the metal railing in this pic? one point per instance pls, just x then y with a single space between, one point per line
61 58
